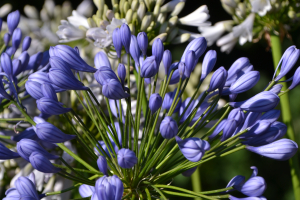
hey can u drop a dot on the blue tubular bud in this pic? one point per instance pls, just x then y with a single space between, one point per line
6 64
228 129
175 77
287 61
26 187
16 38
26 43
168 100
24 59
13 20
158 50
101 60
257 129
167 60
122 73
236 182
126 158
168 128
51 107
12 194
27 146
237 69
189 63
149 67
6 154
181 69
262 102
270 116
197 45
49 133
125 36
238 115
245 82
42 77
104 74
254 186
86 190
155 102
282 149
48 91
29 133
218 80
296 79
41 163
134 50
113 90
6 38
35 61
34 89
247 198
102 165
189 172
109 187
69 55
192 148
251 118
277 88
218 129
142 40
208 64
16 64
116 37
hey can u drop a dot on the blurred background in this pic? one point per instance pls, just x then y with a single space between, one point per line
216 173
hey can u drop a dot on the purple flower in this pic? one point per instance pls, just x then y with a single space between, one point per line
101 60
208 64
181 69
12 194
197 45
6 64
6 38
168 128
126 158
125 36
245 82
109 187
35 61
142 40
218 80
254 186
189 63
48 91
104 74
251 118
281 150
149 67
86 190
122 72
168 100
49 133
257 129
261 102
42 77
155 102
236 182
16 38
51 107
296 79
28 133
41 163
23 59
218 129
238 115
26 43
276 88
102 165
158 50
134 50
34 89
167 60
6 154
13 20
116 37
26 187
229 129
113 90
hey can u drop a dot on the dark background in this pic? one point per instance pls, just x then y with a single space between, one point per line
216 173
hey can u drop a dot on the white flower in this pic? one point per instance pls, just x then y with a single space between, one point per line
78 20
227 42
5 9
244 30
212 33
168 7
192 35
67 32
85 8
115 23
197 18
260 6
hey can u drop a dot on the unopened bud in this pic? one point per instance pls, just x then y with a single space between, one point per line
162 36
161 18
160 2
173 21
141 11
128 16
172 34
146 21
100 5
132 28
105 9
134 5
181 38
163 27
156 10
126 7
241 10
178 8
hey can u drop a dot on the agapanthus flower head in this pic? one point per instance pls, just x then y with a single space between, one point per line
13 20
41 163
109 188
28 133
26 187
218 129
149 67
126 158
168 128
247 198
189 63
254 186
155 102
167 102
238 115
6 154
197 45
142 40
125 36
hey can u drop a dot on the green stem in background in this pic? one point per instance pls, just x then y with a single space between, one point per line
287 118
196 182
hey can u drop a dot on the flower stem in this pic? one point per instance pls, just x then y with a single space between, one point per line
287 118
196 182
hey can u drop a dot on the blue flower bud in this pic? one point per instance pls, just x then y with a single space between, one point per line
122 72
296 79
168 128
237 69
197 45
282 149
238 115
251 118
109 187
101 60
189 63
149 67
134 50
16 64
28 133
125 36
113 90
257 129
26 43
175 76
26 187
34 89
116 37
229 129
49 133
208 64
276 88
35 61
262 102
104 74
26 146
218 80
24 59
69 55
218 129
270 116
16 38
41 163
168 100
102 165
48 91
245 82
51 107
192 148
181 69
42 77
247 198
126 158
167 60
13 20
189 172
107 150
6 38
65 80
158 50
142 40
254 186
12 194
86 190
236 182
155 102
6 154
287 61
6 64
